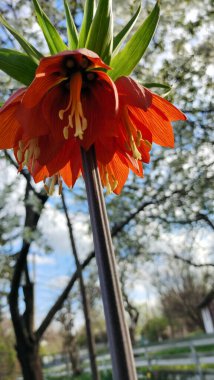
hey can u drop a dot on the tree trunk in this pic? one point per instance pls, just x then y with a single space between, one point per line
29 359
74 360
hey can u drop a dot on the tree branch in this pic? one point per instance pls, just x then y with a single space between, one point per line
58 304
190 262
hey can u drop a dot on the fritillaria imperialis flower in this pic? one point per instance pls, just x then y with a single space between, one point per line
72 104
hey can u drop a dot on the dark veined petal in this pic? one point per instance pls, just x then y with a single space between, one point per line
135 165
55 100
119 170
105 149
169 110
131 93
70 174
39 172
100 107
10 130
32 121
69 152
16 97
159 126
39 87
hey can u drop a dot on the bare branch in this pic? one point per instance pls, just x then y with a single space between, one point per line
58 304
192 263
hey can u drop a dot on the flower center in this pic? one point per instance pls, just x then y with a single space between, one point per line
76 118
28 152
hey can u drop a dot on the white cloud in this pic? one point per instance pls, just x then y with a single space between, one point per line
54 226
59 282
40 260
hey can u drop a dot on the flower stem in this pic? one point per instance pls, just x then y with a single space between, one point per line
118 335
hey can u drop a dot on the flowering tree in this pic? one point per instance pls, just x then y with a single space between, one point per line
81 114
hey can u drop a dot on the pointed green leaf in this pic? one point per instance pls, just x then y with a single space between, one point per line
157 85
27 47
54 41
86 22
100 38
125 61
71 28
17 65
125 31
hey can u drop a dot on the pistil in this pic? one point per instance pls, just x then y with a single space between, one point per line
76 118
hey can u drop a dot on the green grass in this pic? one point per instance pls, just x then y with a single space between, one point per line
105 376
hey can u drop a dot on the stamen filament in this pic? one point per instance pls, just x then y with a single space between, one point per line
134 135
76 117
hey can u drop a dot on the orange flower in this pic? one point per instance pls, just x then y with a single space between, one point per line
145 118
72 103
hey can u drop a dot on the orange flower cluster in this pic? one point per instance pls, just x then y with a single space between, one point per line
73 103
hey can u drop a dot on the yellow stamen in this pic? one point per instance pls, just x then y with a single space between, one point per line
65 133
134 142
148 143
20 155
52 181
139 138
76 117
52 185
28 152
108 179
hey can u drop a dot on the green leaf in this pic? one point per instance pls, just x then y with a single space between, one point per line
54 41
71 28
28 48
125 61
100 38
86 22
157 85
125 31
17 65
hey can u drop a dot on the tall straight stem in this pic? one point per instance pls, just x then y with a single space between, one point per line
123 366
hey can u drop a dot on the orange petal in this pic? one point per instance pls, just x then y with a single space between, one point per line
32 121
10 131
54 63
171 112
161 129
55 100
105 149
39 87
131 93
68 152
100 109
14 98
39 173
135 165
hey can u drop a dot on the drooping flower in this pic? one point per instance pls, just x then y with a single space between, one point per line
73 104
145 118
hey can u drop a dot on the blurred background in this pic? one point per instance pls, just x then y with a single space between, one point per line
162 224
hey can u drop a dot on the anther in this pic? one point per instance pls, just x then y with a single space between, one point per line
19 155
70 63
65 133
84 63
139 138
91 76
